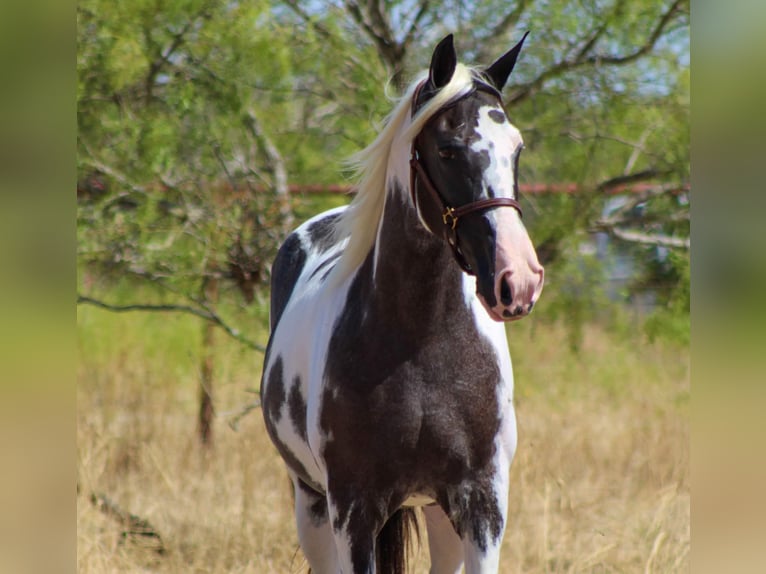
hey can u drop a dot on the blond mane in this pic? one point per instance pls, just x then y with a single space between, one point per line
359 222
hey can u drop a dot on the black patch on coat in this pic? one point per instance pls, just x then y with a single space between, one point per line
497 116
475 513
296 405
273 397
274 394
516 155
324 265
285 271
322 232
415 407
317 506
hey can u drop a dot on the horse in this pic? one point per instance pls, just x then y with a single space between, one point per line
387 383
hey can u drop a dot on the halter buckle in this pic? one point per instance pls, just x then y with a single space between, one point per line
448 217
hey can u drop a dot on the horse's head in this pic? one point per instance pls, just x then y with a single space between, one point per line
464 185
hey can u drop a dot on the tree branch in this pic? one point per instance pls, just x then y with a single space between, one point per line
612 224
641 237
115 174
296 7
134 525
274 164
583 58
373 22
425 7
627 179
241 413
202 313
499 31
647 46
178 39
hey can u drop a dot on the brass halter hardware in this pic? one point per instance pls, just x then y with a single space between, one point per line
448 217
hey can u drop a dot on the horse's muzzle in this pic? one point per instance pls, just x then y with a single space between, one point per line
518 277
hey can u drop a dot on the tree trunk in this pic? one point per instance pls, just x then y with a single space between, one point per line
207 363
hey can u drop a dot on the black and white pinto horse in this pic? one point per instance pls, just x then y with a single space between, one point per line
387 382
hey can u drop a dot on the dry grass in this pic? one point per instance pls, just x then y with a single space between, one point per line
600 482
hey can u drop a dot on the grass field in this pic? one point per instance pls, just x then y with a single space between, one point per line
600 482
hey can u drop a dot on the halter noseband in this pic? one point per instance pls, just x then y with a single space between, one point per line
450 215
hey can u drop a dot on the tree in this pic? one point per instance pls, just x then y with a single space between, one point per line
168 110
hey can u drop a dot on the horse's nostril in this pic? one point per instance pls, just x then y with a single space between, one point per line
505 292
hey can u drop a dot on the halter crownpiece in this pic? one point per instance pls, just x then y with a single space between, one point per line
450 215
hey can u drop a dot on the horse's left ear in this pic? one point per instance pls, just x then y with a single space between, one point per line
499 71
443 63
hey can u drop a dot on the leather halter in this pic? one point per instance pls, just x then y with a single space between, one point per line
451 216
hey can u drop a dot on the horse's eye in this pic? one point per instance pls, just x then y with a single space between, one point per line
446 153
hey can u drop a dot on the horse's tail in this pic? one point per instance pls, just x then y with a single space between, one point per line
395 541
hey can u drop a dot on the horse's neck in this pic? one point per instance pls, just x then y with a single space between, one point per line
413 268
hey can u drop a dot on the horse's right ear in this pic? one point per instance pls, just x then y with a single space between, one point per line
499 71
443 63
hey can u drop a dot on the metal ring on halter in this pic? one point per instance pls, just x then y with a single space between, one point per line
449 215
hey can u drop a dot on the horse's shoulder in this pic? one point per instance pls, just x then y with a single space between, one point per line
307 243
319 231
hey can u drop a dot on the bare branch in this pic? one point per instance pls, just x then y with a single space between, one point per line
425 7
241 413
115 174
627 179
296 7
274 163
133 525
178 40
374 23
638 149
500 30
583 58
633 236
612 224
648 45
202 313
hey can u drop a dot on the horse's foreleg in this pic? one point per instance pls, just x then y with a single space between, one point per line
353 528
314 530
484 525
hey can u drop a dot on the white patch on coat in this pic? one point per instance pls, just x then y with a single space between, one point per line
495 334
515 254
500 141
304 350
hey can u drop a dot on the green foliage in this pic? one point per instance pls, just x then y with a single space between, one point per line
575 292
672 320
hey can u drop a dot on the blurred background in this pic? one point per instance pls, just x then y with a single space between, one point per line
207 129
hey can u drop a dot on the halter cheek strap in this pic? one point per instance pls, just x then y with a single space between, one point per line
451 216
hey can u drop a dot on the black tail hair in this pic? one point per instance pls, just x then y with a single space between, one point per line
395 541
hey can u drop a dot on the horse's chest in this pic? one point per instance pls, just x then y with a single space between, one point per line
429 417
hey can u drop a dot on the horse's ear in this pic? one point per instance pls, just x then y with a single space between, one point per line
499 71
443 63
